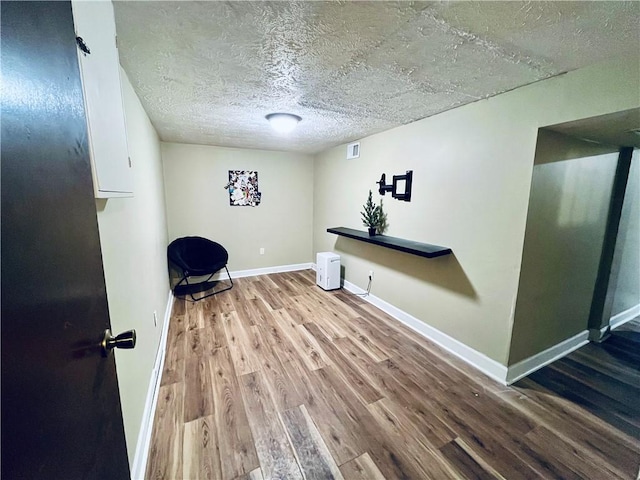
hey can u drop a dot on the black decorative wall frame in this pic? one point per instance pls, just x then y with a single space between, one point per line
396 186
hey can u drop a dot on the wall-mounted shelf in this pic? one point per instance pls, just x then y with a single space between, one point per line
407 246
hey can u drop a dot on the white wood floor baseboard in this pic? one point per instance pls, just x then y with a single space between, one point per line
263 271
146 428
624 317
536 362
486 365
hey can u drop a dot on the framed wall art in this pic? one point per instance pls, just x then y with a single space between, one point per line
243 188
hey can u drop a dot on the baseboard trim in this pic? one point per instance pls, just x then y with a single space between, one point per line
139 467
535 362
488 366
599 335
263 271
624 317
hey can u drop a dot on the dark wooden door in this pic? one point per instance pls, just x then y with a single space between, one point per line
61 414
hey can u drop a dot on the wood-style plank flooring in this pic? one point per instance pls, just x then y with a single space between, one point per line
604 378
277 379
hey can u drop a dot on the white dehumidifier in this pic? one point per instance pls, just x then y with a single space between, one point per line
328 270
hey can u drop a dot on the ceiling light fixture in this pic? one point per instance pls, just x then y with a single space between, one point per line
283 122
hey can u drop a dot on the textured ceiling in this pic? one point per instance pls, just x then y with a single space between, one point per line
208 72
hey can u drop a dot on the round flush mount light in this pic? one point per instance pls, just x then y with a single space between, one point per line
283 122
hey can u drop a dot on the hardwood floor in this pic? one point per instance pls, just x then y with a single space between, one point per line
277 379
604 379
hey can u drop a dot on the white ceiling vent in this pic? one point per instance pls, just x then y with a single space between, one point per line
353 150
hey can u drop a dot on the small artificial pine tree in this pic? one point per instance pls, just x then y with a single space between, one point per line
371 213
382 219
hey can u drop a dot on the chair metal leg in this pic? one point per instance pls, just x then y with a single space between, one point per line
203 285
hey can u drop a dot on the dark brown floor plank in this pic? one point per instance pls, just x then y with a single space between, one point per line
617 391
277 460
165 452
358 380
577 427
214 326
361 468
411 397
409 442
338 422
243 309
259 312
465 463
307 311
306 345
200 450
624 418
245 358
576 464
313 455
198 400
235 440
173 369
598 359
282 387
270 297
253 475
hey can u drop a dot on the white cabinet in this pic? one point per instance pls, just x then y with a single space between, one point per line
100 70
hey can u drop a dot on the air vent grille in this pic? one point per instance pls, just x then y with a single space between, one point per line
353 150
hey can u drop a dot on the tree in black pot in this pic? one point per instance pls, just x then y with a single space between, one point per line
370 215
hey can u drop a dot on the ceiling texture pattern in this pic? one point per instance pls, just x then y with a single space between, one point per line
208 72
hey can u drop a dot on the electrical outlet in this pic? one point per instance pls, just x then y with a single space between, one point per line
261 250
370 274
155 318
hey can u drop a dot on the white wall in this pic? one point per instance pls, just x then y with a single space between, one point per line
198 204
472 174
133 235
566 223
627 287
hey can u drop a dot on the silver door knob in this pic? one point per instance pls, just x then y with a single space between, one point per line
124 340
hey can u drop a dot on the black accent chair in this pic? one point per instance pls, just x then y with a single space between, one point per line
192 257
